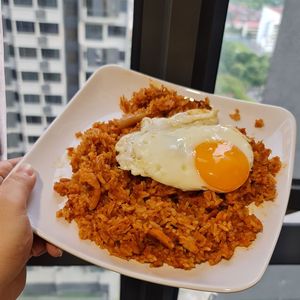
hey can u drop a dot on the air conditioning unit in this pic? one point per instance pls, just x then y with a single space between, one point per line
47 110
44 65
43 41
40 15
46 88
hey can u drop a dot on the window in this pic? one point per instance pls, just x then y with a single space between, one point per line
14 154
10 74
31 98
51 77
50 119
12 119
13 139
23 2
117 31
43 96
25 27
32 138
33 120
88 75
122 55
11 98
7 25
11 50
99 57
27 52
49 28
102 8
53 99
123 5
93 32
50 53
47 3
30 76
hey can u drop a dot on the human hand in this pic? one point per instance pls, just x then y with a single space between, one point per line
17 241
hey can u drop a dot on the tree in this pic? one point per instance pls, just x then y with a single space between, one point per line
242 67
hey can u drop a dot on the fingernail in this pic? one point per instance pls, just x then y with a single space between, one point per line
26 169
59 252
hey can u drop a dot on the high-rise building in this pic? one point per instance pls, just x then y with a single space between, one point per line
104 34
51 47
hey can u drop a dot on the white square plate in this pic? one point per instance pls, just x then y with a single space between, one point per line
99 100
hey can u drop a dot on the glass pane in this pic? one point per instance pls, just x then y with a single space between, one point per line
48 57
80 283
260 55
279 282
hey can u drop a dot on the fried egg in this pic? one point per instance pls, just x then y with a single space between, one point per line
188 151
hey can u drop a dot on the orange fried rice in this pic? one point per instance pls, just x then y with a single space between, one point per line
135 217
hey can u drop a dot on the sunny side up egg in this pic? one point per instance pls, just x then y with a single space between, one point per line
189 151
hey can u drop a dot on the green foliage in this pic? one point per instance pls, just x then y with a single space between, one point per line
240 69
231 86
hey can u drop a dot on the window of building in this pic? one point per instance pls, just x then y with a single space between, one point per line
32 138
27 52
5 2
7 25
13 139
50 53
95 57
117 31
12 119
88 75
123 5
10 74
122 55
15 154
93 32
33 120
102 8
53 99
98 57
31 98
25 27
51 77
30 76
50 119
47 3
11 50
11 98
48 28
23 2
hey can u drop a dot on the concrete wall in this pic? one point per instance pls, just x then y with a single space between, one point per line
283 86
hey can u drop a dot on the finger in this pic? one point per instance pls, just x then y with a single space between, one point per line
5 168
15 160
16 188
38 247
53 250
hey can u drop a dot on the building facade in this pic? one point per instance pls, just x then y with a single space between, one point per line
51 47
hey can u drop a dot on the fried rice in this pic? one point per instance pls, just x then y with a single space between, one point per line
135 217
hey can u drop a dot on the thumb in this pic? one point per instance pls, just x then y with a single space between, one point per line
16 188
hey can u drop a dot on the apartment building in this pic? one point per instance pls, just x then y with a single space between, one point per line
104 34
34 69
51 48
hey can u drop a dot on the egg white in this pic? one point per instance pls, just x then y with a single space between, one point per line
166 153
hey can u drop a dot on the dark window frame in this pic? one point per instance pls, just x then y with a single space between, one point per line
153 53
89 33
53 26
30 27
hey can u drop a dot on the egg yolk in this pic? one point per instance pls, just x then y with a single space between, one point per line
224 167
